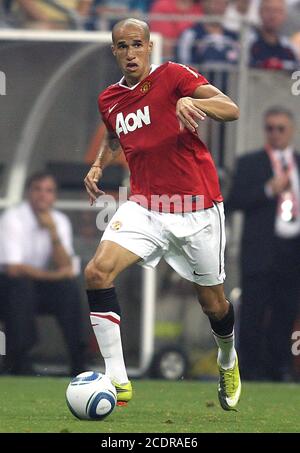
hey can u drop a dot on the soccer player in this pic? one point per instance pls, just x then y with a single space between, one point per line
175 209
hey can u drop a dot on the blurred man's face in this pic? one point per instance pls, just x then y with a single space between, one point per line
242 6
279 130
42 194
132 51
214 7
273 14
185 3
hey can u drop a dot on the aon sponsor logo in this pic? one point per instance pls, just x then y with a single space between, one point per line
132 121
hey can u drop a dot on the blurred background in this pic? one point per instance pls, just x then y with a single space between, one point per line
55 59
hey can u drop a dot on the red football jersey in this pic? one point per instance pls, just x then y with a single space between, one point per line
163 159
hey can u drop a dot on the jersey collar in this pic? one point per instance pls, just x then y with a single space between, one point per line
153 67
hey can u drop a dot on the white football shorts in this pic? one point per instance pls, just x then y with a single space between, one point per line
192 243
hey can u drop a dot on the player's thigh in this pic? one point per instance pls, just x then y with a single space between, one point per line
112 258
206 249
199 257
133 234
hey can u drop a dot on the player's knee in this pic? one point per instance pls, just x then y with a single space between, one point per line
208 309
214 307
99 274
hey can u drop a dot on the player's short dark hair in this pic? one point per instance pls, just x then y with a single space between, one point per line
131 21
39 176
279 110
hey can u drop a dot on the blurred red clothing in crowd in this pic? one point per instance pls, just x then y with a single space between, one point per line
171 30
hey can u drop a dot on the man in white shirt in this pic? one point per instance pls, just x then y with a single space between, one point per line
266 188
36 274
238 11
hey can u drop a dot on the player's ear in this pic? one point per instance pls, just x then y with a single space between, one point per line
150 46
113 49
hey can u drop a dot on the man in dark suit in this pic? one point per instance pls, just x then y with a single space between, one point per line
266 187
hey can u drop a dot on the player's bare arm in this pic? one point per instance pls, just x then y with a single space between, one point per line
209 101
109 151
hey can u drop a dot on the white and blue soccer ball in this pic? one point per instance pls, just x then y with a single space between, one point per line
91 396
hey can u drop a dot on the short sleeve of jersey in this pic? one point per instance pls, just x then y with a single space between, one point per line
184 79
101 108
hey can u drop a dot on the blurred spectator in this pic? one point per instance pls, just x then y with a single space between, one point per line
268 48
142 6
239 10
3 23
169 29
266 187
37 275
209 42
39 14
100 8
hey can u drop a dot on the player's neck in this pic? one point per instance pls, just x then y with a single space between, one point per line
131 81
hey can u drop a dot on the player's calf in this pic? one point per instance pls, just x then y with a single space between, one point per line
213 301
221 316
105 315
220 313
99 275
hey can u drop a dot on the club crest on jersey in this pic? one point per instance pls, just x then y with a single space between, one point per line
146 87
116 225
132 121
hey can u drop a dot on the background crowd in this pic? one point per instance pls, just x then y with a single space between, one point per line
274 39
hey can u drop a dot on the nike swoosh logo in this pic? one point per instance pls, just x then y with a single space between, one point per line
111 108
93 325
201 275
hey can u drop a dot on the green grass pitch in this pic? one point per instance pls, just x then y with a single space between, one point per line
38 405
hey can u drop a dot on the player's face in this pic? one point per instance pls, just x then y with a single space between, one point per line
279 131
42 194
132 51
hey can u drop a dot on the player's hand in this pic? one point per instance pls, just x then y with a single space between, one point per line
90 181
279 184
188 113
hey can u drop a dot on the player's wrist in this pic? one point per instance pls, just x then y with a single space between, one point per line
97 164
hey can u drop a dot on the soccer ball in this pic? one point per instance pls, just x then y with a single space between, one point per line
91 396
